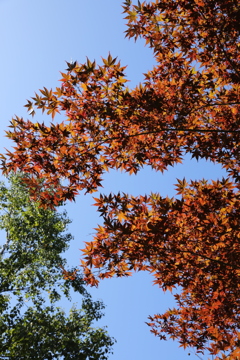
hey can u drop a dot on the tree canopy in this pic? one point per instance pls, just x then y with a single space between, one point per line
32 270
187 104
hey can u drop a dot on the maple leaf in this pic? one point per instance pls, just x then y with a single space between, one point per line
187 104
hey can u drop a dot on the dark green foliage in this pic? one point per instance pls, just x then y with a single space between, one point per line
32 279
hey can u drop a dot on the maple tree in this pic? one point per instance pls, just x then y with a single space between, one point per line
187 104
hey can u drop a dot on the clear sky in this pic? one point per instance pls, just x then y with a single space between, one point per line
37 37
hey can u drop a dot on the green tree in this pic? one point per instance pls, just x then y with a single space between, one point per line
33 277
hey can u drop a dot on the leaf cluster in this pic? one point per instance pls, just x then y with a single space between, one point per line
188 103
33 269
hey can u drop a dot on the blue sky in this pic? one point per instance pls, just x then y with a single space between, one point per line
37 37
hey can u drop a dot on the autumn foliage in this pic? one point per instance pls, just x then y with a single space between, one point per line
187 104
